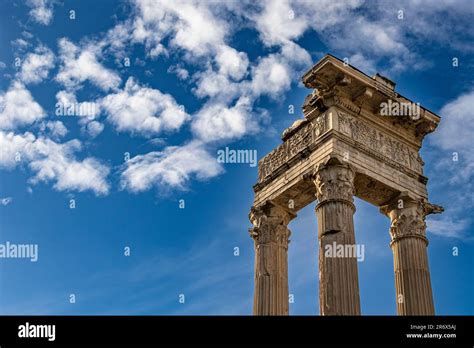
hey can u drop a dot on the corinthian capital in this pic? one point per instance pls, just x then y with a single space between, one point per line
407 217
270 223
334 180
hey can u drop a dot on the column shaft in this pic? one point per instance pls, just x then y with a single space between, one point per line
338 275
271 237
410 260
412 277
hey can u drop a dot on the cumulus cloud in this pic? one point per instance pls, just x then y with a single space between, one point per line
181 72
278 23
41 11
80 64
229 82
199 32
457 126
270 76
232 63
94 128
357 28
144 110
18 108
54 129
36 65
87 112
171 168
211 83
453 139
454 135
190 25
53 162
216 121
67 104
222 118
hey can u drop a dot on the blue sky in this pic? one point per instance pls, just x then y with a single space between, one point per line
203 76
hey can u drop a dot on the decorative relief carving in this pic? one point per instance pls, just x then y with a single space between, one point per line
270 229
346 104
334 182
379 142
300 140
408 221
295 144
406 225
407 216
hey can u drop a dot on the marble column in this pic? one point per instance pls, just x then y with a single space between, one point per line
410 258
338 276
271 237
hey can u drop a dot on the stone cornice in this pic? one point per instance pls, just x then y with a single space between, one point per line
330 73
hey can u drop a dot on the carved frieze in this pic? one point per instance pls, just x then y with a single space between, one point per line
294 145
379 142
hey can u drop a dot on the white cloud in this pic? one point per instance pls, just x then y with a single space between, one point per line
454 135
441 22
181 72
36 66
53 162
88 111
20 45
94 128
171 168
66 98
41 11
224 76
67 101
218 121
55 129
364 64
5 201
198 34
143 110
278 23
191 26
80 64
18 108
271 76
360 29
211 83
446 226
231 62
454 138
457 125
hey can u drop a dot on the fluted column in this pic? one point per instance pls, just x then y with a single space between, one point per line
410 259
338 276
271 237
